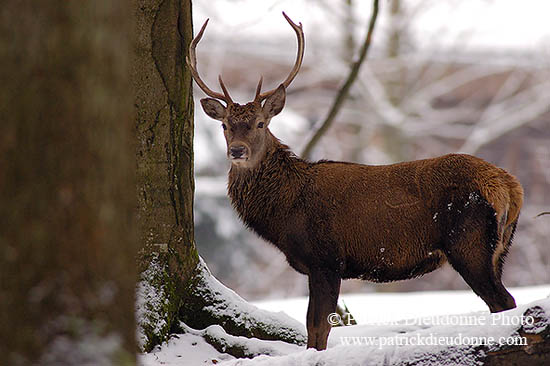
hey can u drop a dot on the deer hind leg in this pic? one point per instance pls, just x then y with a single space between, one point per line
475 249
324 288
506 242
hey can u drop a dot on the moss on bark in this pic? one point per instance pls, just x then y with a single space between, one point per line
164 123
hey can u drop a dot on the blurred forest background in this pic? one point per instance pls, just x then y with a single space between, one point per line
442 76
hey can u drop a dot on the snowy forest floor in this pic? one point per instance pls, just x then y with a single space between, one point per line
391 326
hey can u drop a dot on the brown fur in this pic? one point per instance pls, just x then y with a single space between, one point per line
336 220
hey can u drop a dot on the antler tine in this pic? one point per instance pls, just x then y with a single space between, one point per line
192 63
259 90
225 92
299 56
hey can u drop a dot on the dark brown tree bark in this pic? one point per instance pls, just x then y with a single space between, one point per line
67 247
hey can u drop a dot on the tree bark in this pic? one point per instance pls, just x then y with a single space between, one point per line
67 246
164 123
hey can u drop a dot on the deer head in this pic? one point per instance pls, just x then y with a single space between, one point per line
246 126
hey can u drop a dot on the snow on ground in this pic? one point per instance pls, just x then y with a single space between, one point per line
390 327
388 307
183 349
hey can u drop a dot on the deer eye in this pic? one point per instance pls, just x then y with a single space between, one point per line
224 126
261 125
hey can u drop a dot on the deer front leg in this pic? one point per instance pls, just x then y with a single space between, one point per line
324 288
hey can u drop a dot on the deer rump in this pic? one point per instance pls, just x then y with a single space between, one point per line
381 223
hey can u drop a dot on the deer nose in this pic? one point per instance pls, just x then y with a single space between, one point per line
237 151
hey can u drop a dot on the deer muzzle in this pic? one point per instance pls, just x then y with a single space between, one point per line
238 153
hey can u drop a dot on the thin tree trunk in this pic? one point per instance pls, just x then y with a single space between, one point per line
67 247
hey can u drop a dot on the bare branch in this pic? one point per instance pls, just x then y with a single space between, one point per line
344 90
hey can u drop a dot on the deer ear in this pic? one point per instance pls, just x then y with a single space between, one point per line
275 102
213 108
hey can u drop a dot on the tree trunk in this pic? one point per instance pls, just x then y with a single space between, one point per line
67 247
174 285
165 185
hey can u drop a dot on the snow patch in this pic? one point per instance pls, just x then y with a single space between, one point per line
227 303
399 344
150 301
183 349
427 314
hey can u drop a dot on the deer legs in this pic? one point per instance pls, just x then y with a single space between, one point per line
324 288
478 256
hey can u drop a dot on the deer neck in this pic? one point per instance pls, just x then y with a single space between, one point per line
270 186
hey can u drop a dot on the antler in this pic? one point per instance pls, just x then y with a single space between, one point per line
192 63
299 57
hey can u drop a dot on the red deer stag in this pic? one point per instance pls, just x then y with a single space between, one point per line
337 220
